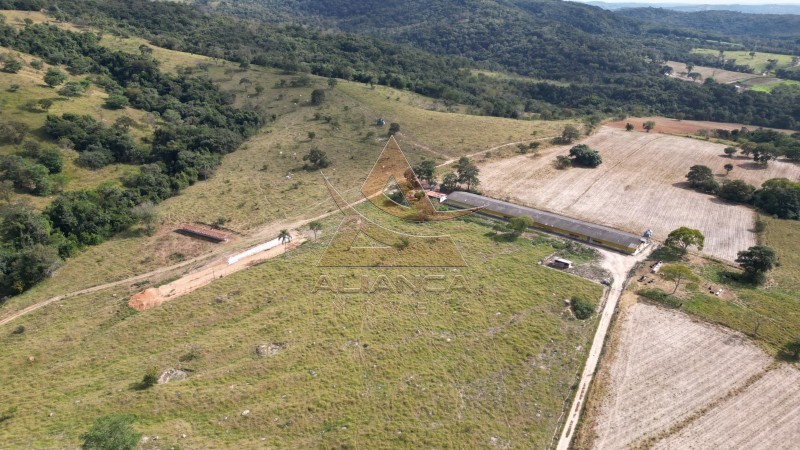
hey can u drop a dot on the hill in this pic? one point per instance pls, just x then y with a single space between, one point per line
334 370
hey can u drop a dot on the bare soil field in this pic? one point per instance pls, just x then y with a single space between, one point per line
640 185
719 75
675 126
687 384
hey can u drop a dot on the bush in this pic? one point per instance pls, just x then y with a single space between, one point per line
96 159
582 309
116 101
111 432
12 65
71 89
149 379
661 297
583 155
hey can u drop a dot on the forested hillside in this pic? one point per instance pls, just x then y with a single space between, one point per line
198 126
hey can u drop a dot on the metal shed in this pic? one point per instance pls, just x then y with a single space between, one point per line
555 223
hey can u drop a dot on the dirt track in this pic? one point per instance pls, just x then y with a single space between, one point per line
687 384
619 266
640 185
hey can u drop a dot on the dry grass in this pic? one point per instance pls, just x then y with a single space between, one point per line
432 369
640 185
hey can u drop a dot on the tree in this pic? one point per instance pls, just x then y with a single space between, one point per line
569 134
112 432
689 66
583 155
701 178
124 122
37 64
695 76
13 132
764 152
748 148
425 171
649 125
317 159
145 50
394 128
12 65
45 103
315 228
146 214
54 77
450 182
116 101
756 261
332 82
518 225
736 191
467 172
677 273
685 237
629 126
752 55
728 167
284 236
6 190
779 196
583 309
730 151
317 97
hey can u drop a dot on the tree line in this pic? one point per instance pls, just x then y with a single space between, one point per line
612 69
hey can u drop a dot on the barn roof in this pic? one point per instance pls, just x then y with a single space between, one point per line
204 232
557 221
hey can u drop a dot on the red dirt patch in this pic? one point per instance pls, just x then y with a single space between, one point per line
670 126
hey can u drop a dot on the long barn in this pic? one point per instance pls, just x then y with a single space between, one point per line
554 223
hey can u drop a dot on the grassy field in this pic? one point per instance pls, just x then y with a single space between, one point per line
758 63
251 189
489 366
771 86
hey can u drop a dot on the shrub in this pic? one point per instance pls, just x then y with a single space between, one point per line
12 65
661 297
95 159
111 432
116 101
149 379
582 309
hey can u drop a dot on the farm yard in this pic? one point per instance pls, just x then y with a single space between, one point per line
639 186
686 383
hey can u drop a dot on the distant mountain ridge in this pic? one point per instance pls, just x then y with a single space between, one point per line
687 7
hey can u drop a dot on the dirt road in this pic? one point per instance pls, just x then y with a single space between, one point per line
619 266
215 257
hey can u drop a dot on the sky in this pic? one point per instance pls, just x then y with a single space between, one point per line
706 2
